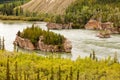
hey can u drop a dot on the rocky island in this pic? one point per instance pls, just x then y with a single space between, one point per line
103 34
105 29
35 38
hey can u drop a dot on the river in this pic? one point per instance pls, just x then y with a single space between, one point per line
83 41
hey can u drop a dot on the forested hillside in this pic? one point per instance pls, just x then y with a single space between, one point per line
103 10
7 7
7 1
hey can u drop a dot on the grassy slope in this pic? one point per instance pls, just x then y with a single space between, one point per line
47 68
48 6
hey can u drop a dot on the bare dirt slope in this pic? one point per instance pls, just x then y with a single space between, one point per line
47 6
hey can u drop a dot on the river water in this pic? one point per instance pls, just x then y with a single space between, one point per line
83 41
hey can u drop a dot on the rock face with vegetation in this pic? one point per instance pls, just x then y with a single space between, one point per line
36 38
94 24
65 47
106 28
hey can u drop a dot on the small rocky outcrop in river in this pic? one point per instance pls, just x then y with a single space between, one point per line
108 26
34 38
27 44
59 26
103 34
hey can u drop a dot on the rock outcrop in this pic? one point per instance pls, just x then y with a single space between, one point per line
103 35
93 25
27 44
59 26
54 48
24 43
107 28
67 46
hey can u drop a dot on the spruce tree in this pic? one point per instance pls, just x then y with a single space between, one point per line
16 71
71 74
8 70
78 75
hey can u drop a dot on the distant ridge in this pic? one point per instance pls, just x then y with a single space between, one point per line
47 6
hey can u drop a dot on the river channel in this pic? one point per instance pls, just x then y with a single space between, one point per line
83 41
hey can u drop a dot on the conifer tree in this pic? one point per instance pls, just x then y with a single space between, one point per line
59 73
78 75
8 70
71 74
16 71
52 74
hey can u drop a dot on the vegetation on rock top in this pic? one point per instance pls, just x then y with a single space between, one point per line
33 33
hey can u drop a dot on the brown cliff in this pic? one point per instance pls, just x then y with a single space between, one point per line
24 43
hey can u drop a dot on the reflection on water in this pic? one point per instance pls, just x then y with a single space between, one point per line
56 54
83 41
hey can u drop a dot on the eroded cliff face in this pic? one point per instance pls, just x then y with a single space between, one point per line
27 44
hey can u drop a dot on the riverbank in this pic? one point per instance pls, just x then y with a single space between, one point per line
22 18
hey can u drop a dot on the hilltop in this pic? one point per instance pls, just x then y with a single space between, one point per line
47 6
